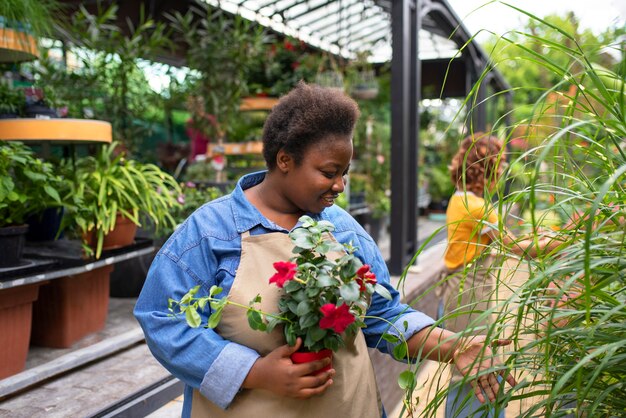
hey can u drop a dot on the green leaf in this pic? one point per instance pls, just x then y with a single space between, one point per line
304 308
399 351
406 380
52 192
326 226
382 291
256 320
324 280
350 291
307 321
215 319
290 335
192 317
393 339
215 290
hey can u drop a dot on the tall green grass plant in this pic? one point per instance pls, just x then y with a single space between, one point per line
564 310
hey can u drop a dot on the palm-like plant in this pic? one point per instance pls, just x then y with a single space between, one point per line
109 184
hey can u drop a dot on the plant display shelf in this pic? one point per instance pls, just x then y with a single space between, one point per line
235 148
17 46
64 130
250 147
257 103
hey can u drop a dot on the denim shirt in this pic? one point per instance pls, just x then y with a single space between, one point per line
205 250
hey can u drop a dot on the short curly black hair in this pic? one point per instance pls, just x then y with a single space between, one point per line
306 115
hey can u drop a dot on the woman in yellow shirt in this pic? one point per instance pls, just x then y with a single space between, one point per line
472 225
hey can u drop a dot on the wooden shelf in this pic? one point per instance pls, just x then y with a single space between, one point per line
69 130
16 46
258 103
236 148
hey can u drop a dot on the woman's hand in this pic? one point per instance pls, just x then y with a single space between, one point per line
472 356
278 374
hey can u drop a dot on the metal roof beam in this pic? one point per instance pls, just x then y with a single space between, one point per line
312 9
326 26
361 34
357 27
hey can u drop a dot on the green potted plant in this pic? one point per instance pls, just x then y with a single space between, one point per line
110 191
28 186
326 291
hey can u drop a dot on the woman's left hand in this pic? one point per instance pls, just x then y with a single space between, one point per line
472 357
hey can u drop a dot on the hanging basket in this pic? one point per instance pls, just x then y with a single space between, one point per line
365 86
330 78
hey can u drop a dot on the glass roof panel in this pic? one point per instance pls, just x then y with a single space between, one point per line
343 27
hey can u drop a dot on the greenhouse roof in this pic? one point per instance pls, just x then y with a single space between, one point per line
343 27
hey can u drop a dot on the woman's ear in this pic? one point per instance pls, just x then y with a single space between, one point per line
284 161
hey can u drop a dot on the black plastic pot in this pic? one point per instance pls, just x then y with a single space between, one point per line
45 225
12 245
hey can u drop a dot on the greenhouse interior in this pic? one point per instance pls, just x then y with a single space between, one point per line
484 192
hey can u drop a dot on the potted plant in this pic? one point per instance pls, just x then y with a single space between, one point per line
325 293
28 186
108 192
112 191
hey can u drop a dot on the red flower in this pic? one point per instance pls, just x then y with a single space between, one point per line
295 65
337 318
364 275
285 272
289 46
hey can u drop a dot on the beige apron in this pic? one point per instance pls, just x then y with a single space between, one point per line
353 393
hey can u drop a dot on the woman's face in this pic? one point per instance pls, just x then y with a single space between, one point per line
317 181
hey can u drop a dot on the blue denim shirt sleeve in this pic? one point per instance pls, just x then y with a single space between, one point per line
205 251
382 313
197 356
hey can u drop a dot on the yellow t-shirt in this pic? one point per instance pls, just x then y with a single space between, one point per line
468 219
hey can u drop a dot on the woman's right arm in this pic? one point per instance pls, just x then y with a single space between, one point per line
527 246
197 356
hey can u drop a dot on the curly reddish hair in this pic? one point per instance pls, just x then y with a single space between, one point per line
480 158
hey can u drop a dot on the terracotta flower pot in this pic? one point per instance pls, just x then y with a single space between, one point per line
15 325
70 308
300 357
122 235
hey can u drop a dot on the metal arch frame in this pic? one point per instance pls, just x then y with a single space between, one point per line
406 22
405 93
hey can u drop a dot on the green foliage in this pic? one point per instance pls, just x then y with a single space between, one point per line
191 197
36 16
316 282
110 83
109 184
566 319
222 49
281 64
524 57
11 100
28 185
